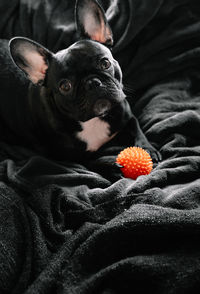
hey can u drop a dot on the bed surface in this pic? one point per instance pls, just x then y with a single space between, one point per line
66 228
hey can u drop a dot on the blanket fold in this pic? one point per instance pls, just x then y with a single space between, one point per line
67 227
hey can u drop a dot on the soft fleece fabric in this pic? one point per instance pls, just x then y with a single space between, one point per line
66 228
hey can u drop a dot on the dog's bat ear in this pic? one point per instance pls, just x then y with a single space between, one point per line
92 23
30 57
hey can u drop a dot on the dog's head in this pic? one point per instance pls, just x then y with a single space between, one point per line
84 80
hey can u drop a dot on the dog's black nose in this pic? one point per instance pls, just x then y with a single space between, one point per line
92 84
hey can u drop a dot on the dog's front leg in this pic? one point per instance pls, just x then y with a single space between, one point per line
140 140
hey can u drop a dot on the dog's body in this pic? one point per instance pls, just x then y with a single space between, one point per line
76 100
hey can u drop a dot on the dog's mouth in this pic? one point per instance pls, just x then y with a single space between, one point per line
102 107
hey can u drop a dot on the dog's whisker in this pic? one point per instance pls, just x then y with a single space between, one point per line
127 89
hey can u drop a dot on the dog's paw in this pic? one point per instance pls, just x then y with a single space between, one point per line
154 153
115 169
108 168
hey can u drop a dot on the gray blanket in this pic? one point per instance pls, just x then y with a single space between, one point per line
66 228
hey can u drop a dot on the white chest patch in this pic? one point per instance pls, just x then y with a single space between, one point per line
95 133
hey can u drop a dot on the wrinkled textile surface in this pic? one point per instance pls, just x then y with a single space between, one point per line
66 228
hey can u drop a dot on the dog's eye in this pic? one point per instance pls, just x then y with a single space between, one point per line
65 86
105 63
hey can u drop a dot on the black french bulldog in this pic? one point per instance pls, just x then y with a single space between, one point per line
76 99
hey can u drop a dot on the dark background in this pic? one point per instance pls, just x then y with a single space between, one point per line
67 229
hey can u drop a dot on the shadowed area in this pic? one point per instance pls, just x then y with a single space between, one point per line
69 227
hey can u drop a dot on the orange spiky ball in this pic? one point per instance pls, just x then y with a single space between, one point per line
135 161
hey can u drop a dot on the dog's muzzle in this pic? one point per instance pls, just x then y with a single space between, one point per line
92 83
